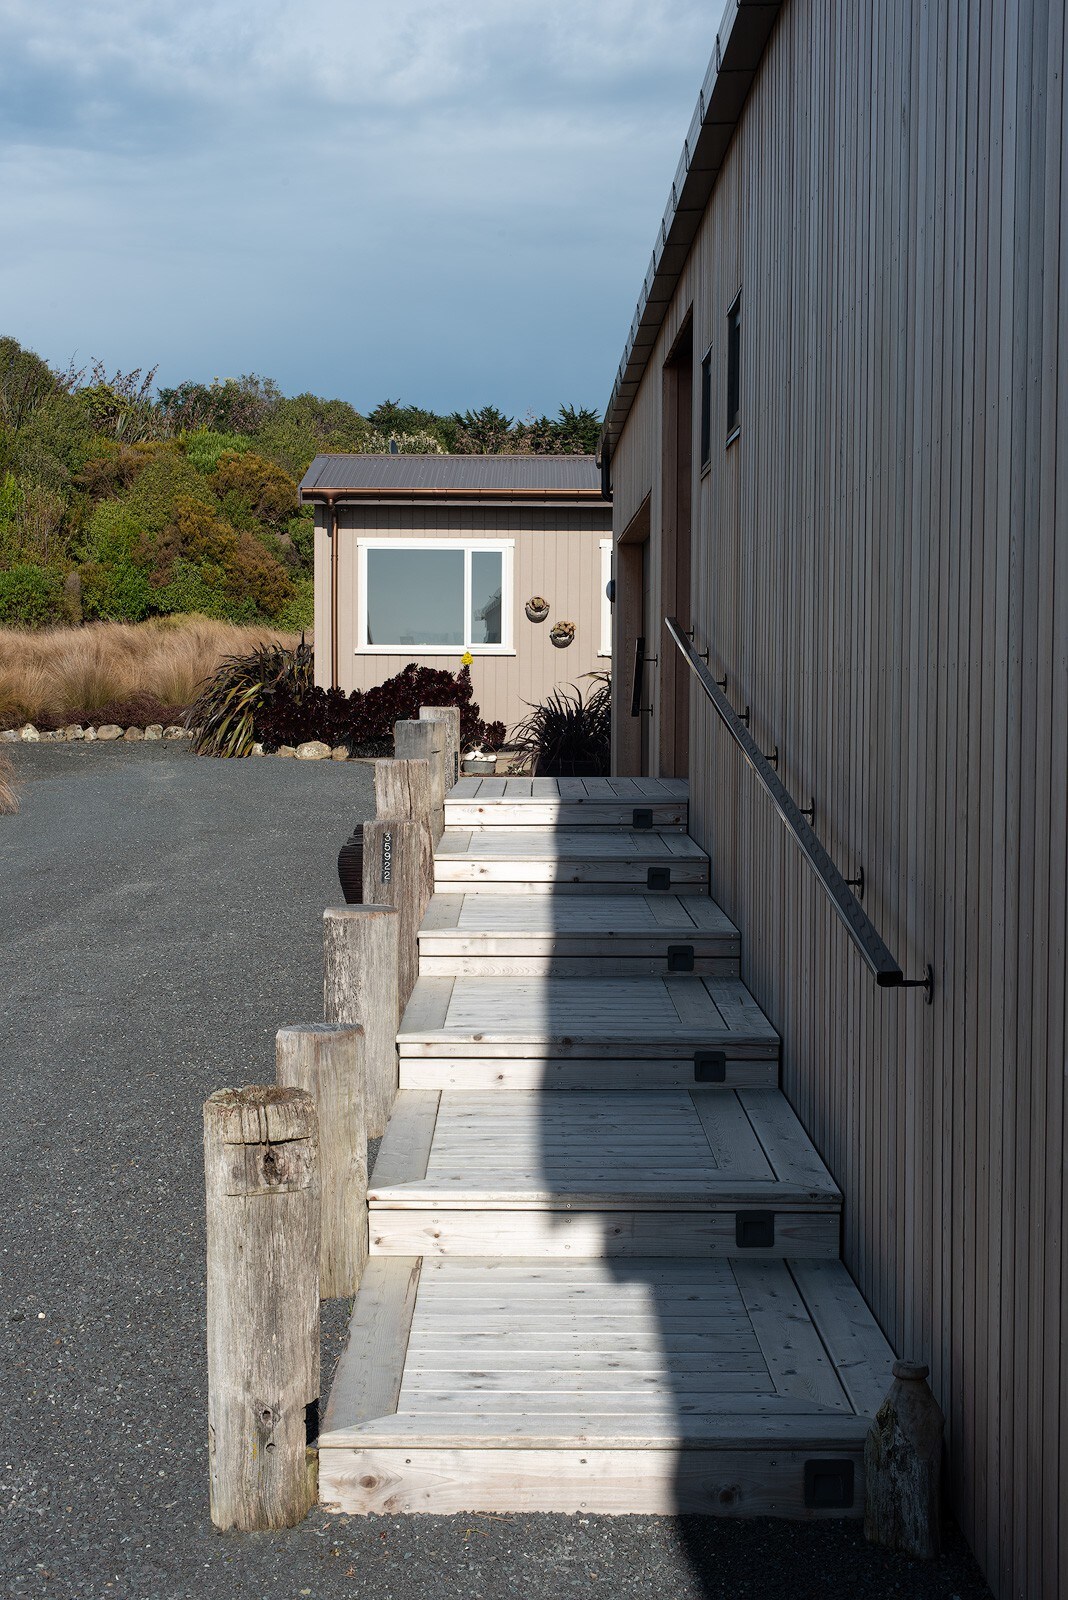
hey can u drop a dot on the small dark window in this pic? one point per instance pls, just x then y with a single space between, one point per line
734 352
706 410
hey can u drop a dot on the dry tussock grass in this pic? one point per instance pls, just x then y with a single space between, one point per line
8 799
62 670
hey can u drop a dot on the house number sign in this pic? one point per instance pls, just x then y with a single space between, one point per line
387 857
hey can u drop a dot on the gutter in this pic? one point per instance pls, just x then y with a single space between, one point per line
330 502
740 44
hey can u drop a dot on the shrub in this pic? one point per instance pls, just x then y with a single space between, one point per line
363 721
205 449
567 732
30 596
298 613
228 709
254 491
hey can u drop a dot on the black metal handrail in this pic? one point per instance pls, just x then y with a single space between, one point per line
887 972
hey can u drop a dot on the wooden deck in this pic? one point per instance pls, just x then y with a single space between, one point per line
604 1268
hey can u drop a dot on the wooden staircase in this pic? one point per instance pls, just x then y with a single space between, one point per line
604 1268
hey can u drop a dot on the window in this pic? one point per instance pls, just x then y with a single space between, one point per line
706 410
435 596
606 604
734 353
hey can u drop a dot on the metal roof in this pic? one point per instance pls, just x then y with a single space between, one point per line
425 476
740 42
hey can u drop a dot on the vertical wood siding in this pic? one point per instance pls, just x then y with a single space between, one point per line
557 554
881 568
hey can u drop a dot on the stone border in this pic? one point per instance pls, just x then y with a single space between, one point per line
109 732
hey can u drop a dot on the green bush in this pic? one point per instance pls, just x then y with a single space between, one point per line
30 596
205 449
116 591
299 612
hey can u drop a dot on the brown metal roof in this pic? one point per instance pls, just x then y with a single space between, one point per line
422 477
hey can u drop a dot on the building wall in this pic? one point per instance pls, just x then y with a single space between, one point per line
876 568
557 555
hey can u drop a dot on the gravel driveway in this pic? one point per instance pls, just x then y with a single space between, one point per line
160 917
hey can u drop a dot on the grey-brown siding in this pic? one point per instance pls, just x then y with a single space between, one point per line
557 555
876 567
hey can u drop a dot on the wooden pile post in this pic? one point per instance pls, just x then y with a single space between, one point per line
425 741
327 1060
398 870
360 978
449 717
402 789
261 1174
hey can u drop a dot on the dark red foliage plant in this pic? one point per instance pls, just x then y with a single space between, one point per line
363 721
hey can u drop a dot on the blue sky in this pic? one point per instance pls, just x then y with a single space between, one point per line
450 205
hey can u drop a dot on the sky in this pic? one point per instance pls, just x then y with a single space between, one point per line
448 205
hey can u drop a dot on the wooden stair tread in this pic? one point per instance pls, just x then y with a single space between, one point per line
566 844
534 922
635 790
689 1353
594 1016
659 1148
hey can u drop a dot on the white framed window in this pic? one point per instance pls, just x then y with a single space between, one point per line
606 604
434 596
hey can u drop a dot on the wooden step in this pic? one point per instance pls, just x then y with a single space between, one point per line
707 1171
569 935
584 1033
734 1388
578 861
656 803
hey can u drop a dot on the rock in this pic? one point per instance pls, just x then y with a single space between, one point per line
313 750
174 732
339 753
73 730
109 731
257 750
8 736
286 750
29 733
133 734
90 735
154 730
47 738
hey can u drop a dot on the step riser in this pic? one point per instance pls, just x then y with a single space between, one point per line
721 1483
539 877
665 819
596 1234
474 1074
534 966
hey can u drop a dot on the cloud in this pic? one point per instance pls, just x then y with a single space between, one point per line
285 184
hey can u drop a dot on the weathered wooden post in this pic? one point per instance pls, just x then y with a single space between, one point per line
425 741
360 976
398 870
903 1466
327 1060
402 789
261 1177
449 717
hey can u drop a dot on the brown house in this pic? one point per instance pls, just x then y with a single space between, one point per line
426 558
838 444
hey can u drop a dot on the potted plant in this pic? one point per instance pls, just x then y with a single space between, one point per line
479 763
569 736
561 634
537 608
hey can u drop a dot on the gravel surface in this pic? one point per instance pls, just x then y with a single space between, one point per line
159 919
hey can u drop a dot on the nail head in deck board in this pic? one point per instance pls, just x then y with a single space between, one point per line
327 1060
360 985
261 1173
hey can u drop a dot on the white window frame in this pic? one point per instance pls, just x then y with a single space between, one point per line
606 604
506 548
